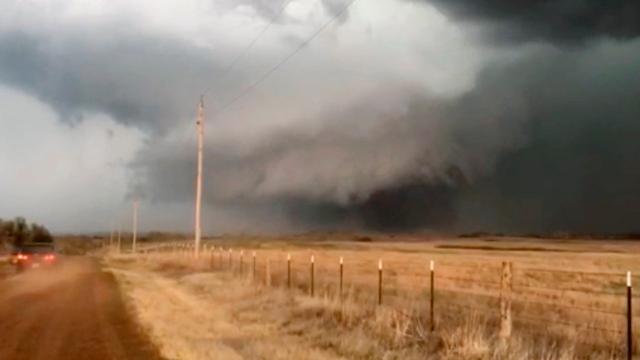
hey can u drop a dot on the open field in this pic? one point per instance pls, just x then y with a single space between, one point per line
568 297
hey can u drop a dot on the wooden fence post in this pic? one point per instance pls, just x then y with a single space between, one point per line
241 262
230 263
267 274
311 277
253 266
505 300
432 293
341 277
629 318
288 271
379 281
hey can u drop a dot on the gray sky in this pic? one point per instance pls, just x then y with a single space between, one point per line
402 115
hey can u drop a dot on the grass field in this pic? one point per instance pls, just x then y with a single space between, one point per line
567 297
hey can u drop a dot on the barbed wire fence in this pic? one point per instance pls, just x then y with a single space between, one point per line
511 298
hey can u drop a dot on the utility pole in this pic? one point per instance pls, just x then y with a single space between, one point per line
200 130
119 239
135 225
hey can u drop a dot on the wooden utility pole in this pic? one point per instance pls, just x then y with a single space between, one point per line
119 239
135 225
200 130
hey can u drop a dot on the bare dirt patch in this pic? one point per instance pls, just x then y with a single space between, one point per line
70 312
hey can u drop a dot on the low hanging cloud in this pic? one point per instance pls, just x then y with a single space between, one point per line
341 157
136 75
129 76
544 143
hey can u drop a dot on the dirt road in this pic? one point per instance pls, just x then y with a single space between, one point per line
71 312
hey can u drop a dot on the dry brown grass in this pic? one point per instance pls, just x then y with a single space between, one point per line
221 315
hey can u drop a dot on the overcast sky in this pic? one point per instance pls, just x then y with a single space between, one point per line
401 115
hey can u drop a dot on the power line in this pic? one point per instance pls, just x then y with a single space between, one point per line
248 48
272 70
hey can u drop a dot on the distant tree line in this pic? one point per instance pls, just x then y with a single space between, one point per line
18 232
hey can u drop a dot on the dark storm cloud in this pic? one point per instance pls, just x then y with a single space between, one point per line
562 21
546 141
138 79
394 160
579 170
542 144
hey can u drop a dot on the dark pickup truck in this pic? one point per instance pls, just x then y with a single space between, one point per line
34 256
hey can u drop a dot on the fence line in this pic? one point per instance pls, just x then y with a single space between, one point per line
330 279
548 288
572 307
470 280
567 323
573 272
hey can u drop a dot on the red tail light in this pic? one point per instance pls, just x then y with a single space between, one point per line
22 257
49 257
